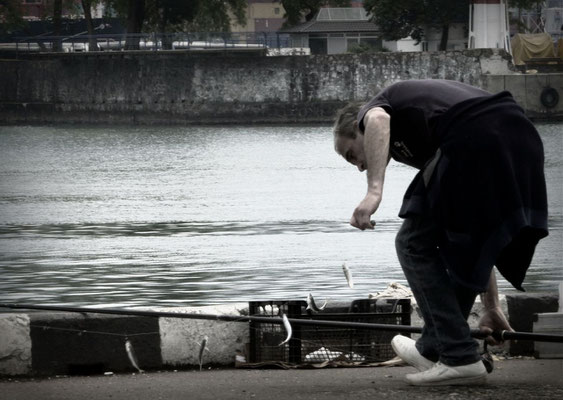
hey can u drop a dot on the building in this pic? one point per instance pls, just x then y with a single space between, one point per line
35 10
336 30
262 16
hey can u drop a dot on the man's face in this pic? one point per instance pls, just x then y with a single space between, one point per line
353 150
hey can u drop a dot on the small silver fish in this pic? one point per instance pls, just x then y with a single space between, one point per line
311 305
288 329
348 275
202 348
131 355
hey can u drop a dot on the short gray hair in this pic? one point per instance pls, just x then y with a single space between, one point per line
345 123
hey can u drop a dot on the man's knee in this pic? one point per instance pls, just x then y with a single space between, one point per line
417 236
400 242
403 238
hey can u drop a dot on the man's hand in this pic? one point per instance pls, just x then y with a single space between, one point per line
364 211
494 320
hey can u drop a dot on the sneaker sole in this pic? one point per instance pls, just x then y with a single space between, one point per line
473 380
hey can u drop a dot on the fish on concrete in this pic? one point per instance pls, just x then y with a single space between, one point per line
131 354
202 348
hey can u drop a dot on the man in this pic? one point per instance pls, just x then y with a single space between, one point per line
479 200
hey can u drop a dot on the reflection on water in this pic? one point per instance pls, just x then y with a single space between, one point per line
204 215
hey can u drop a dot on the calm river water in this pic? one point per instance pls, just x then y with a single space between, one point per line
170 216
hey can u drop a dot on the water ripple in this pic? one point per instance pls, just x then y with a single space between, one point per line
192 228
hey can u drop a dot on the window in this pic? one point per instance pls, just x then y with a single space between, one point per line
277 10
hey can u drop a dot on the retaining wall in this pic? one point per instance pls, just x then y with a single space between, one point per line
187 88
46 343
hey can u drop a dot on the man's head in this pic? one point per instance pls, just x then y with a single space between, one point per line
348 139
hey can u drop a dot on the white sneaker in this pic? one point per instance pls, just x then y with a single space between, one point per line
441 375
406 350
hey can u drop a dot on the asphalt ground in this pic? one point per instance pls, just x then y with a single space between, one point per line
512 379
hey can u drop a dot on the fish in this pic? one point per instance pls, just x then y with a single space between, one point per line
288 329
131 355
348 275
202 348
394 290
311 305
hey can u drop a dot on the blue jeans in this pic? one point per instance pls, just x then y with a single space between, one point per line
445 305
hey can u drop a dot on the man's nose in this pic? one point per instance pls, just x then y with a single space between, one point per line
361 167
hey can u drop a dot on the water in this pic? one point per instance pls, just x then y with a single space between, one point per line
170 216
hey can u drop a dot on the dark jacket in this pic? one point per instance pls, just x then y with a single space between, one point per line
482 180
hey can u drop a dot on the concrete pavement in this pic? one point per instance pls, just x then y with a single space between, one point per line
512 379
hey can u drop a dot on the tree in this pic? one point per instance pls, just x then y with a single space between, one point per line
165 16
10 16
398 19
295 10
215 15
133 11
525 5
87 8
57 23
177 15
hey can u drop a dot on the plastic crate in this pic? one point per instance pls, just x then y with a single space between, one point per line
315 344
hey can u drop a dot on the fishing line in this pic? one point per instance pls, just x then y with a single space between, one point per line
81 331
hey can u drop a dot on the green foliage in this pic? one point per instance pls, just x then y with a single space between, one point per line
10 16
185 15
524 4
398 19
362 48
167 15
215 15
296 10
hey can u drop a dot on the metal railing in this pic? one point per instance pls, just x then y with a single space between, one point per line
152 42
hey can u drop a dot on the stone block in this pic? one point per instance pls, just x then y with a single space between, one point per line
535 84
556 81
515 85
493 83
76 344
551 324
181 338
521 310
15 344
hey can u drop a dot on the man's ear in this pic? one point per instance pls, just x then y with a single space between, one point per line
357 128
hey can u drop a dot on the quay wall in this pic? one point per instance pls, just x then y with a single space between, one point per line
64 343
217 88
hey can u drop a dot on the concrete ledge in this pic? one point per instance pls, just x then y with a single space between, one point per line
521 309
15 344
181 338
46 343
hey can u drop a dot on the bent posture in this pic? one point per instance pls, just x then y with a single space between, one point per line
479 200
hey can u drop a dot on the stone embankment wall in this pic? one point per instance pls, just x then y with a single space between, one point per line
188 88
61 343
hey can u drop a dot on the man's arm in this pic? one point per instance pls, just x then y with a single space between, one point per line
493 318
376 151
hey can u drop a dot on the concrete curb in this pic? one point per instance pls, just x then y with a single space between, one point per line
48 343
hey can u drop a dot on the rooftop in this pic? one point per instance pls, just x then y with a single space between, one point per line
332 20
